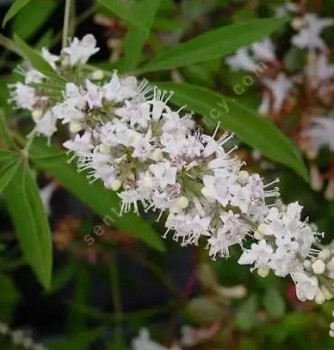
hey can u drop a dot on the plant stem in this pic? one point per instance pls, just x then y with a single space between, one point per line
116 296
30 139
67 15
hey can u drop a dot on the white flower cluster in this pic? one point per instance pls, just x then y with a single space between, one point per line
126 134
318 70
190 337
144 342
20 338
285 92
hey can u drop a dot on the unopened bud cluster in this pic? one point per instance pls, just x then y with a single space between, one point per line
20 337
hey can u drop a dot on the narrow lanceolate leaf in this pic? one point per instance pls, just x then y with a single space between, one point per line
5 137
214 44
136 37
104 202
124 10
6 155
30 222
249 127
36 60
14 9
8 169
37 12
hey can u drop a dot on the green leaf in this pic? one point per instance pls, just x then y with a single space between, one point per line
274 303
8 170
62 277
124 11
37 60
246 315
37 12
14 9
9 297
104 202
81 340
9 45
118 343
6 155
214 44
30 222
249 127
4 133
136 37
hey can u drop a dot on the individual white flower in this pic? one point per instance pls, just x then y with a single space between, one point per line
193 336
135 113
93 95
143 147
329 192
309 36
144 342
306 287
47 124
286 9
81 144
50 58
233 231
214 190
80 51
24 96
121 89
175 125
242 60
193 147
129 198
280 88
33 76
264 107
67 113
164 174
264 50
46 194
320 133
74 97
259 254
320 69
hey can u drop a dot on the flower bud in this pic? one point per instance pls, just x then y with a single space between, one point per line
104 148
116 185
75 126
329 192
324 254
318 267
37 114
297 23
97 75
263 271
258 236
263 230
316 179
182 202
243 177
204 192
319 298
327 294
307 265
156 155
